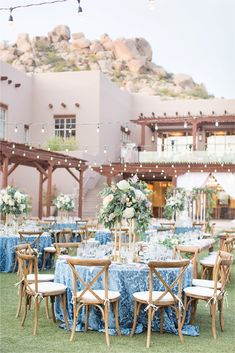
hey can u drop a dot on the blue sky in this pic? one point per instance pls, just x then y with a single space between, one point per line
196 37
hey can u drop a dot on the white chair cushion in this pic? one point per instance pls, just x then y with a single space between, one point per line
144 296
208 261
205 283
50 249
89 297
41 277
49 287
200 291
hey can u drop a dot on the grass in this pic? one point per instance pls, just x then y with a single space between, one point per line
50 338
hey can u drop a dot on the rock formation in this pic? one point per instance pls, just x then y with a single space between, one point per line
127 61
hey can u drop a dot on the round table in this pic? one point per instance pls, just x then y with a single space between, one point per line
126 279
7 249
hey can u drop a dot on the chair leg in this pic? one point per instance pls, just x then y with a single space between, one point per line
193 312
52 308
116 318
63 301
135 317
47 309
25 309
180 326
36 304
149 327
74 321
221 318
20 299
86 320
44 260
161 319
213 312
106 323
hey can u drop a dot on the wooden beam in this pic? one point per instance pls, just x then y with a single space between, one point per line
142 141
49 189
194 134
11 170
40 194
40 168
80 199
73 175
5 172
109 180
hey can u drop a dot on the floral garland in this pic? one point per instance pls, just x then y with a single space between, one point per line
175 201
128 199
171 241
64 203
14 202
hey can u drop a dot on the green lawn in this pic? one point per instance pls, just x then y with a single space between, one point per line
50 338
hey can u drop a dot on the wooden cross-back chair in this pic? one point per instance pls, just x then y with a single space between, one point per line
62 248
26 249
207 264
213 296
88 296
34 243
192 252
38 290
158 300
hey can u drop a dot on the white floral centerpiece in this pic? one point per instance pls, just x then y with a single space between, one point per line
64 203
126 200
13 202
175 202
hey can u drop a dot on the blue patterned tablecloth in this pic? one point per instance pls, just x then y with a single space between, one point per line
7 249
126 279
179 230
104 236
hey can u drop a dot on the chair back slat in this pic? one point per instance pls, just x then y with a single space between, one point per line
28 263
104 266
25 234
169 287
68 246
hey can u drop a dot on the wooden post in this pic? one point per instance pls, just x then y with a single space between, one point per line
5 172
174 181
49 187
109 180
80 200
142 142
40 192
194 134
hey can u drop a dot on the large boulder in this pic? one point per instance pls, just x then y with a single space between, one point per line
59 33
7 56
96 47
156 69
137 66
184 81
27 59
144 48
23 42
103 55
119 65
81 43
125 49
77 35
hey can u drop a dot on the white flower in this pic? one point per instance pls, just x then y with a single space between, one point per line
107 200
128 212
11 202
123 185
140 196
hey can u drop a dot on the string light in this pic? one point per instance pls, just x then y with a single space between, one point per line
216 123
98 128
79 7
185 125
105 149
16 129
156 127
151 4
13 8
126 128
43 129
86 149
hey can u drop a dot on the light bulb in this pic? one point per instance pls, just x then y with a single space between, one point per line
185 125
156 127
16 129
98 128
216 123
43 129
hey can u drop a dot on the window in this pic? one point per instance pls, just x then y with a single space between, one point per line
3 118
65 126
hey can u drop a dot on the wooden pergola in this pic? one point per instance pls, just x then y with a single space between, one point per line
159 171
189 123
14 154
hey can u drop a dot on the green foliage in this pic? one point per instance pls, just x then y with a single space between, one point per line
57 143
175 201
199 92
210 202
128 199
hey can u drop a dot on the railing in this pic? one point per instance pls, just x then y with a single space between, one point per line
181 154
